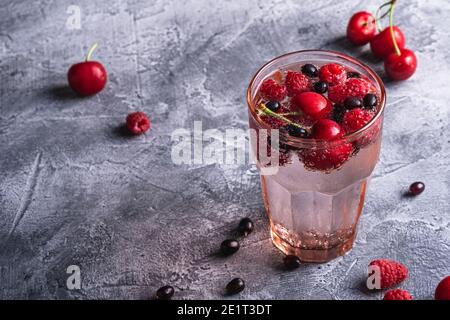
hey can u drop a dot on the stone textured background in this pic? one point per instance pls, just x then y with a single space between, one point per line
74 189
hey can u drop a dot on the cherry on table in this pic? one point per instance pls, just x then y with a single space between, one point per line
400 67
382 44
361 28
88 77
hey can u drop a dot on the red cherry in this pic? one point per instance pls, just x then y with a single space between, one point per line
400 67
443 290
326 129
313 105
88 77
382 44
361 28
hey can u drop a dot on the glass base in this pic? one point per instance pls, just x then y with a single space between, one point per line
313 255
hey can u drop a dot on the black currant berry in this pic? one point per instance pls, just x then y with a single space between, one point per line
338 113
370 101
310 70
235 286
352 103
246 226
165 293
296 131
273 105
291 262
320 87
229 246
353 74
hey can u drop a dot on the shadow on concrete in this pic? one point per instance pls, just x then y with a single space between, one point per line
61 92
122 131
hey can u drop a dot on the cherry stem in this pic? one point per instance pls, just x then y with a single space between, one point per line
289 114
391 26
269 112
91 50
377 18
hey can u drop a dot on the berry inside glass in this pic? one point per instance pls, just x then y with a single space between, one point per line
328 109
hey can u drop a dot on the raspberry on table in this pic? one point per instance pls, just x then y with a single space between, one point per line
296 82
391 272
397 294
273 91
333 74
137 122
353 87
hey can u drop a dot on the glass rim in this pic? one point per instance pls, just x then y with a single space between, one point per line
297 140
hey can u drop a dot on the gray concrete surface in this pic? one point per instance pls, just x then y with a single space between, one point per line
74 190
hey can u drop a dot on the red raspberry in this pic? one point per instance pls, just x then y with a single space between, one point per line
443 290
391 272
138 122
273 122
296 82
397 294
356 119
328 158
273 91
332 73
353 87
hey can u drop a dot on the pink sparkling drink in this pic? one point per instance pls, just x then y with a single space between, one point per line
315 197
